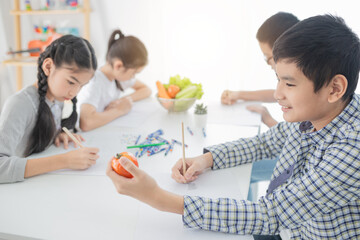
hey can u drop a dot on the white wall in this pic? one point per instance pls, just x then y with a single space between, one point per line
209 41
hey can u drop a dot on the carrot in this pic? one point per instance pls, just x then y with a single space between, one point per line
173 90
162 93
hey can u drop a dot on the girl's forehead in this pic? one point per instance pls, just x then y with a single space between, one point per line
82 75
73 69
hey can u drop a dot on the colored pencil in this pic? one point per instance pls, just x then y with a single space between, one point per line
146 145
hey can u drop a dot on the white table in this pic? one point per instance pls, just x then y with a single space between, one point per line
74 206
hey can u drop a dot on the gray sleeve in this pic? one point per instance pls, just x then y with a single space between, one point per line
16 121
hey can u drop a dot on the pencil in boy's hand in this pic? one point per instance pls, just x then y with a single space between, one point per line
183 148
72 137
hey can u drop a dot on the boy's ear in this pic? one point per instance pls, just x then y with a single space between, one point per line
47 65
118 64
338 86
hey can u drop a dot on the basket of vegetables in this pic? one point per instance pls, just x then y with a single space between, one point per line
179 94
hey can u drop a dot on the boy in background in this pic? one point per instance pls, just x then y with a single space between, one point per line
266 35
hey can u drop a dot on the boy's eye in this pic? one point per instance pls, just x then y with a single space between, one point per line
71 83
290 85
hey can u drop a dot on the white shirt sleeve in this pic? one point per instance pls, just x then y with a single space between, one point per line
91 93
128 83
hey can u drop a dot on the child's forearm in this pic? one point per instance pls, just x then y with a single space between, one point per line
270 121
168 202
260 95
97 119
39 166
140 93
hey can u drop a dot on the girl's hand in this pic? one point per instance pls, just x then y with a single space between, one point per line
81 158
229 97
266 118
194 167
112 104
123 104
141 186
63 137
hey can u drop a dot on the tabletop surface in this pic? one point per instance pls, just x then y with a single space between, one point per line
84 204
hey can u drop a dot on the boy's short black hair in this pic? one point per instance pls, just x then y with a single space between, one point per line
274 26
322 47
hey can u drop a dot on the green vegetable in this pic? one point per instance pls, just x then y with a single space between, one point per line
192 91
184 84
181 83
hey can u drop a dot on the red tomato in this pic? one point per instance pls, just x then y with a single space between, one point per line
115 164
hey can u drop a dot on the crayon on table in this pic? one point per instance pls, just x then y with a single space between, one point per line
156 133
177 142
204 132
162 139
137 140
171 146
156 152
189 130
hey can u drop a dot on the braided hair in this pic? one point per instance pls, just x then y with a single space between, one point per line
69 50
129 49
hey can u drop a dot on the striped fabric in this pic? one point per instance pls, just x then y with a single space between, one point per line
320 198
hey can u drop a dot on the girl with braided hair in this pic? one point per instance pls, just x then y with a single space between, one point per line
31 119
102 100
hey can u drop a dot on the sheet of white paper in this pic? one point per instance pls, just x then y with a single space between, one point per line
235 114
140 111
212 184
111 144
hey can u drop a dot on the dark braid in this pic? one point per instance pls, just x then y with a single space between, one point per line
68 50
45 126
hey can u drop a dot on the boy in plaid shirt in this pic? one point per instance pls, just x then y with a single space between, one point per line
315 188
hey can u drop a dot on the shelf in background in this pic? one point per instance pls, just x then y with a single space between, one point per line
47 12
21 61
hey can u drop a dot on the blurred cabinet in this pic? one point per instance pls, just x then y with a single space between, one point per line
19 61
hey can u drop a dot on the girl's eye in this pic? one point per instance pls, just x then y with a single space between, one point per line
71 83
290 85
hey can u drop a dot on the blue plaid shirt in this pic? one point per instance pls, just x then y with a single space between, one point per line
319 200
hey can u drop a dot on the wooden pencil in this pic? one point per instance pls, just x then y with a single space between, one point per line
183 148
72 137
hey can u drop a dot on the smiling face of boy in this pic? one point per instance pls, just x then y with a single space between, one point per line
298 101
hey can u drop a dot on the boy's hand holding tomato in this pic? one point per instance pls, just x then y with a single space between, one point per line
118 168
141 186
144 188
